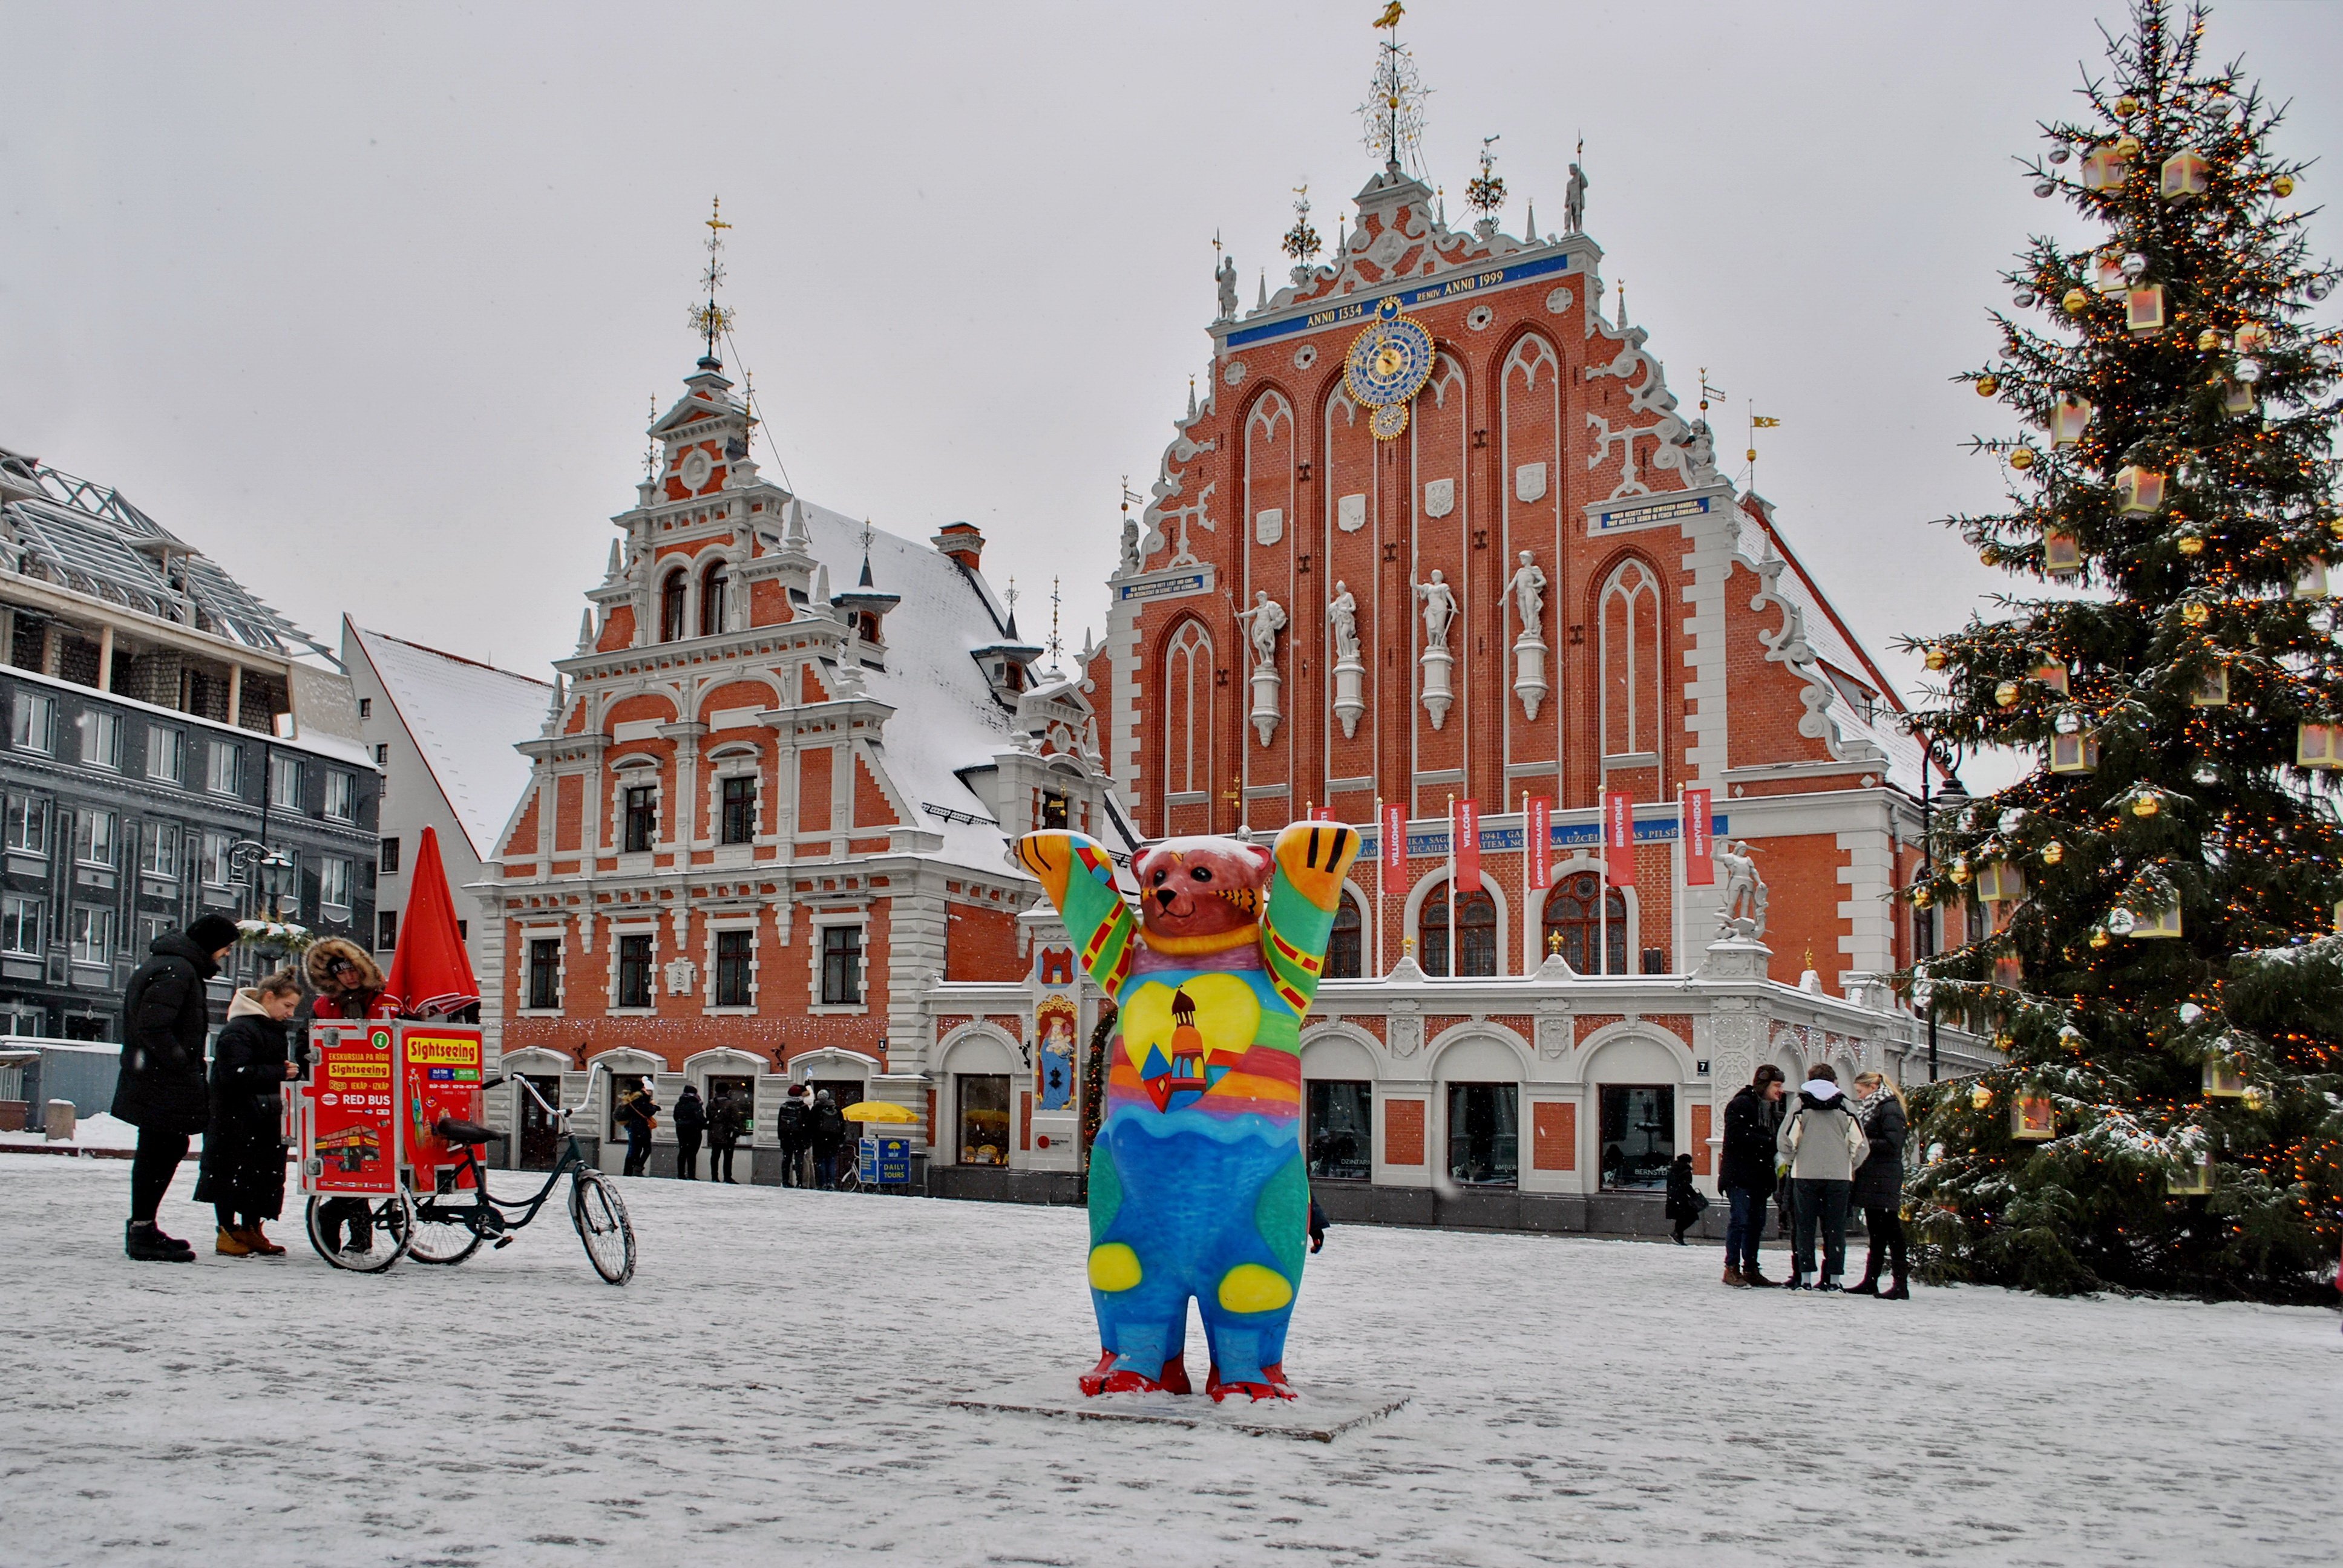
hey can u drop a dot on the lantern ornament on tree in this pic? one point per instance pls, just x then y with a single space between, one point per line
2031 1118
2140 490
2144 310
2196 1182
2053 675
2224 1080
2186 176
2212 688
2062 552
2000 882
2069 418
2318 745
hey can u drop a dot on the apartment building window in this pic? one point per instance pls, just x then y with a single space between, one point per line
642 819
366 708
22 920
635 971
158 850
94 837
841 966
285 784
218 870
389 863
224 772
28 824
386 931
382 754
166 754
92 935
739 809
545 973
334 883
341 795
101 738
732 967
33 725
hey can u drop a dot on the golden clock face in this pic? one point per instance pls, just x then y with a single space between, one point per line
1389 362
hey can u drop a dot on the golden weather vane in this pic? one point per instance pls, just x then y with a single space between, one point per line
1393 114
710 319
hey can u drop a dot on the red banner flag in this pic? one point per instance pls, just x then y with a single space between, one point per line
1619 839
1700 870
1394 840
1541 841
1466 825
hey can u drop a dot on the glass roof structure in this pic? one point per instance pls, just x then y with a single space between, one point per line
60 528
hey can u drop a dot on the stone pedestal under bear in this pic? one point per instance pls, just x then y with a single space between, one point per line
1198 1187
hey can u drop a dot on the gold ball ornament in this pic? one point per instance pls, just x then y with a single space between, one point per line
2006 694
2194 613
1960 872
2208 340
2053 852
1980 1097
1987 384
2127 146
1922 898
1988 555
2099 939
2126 106
2190 545
1936 658
2282 187
2145 806
2334 527
2021 458
2077 302
2254 1099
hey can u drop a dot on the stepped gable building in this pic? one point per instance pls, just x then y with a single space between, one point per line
174 747
1438 529
1539 585
770 802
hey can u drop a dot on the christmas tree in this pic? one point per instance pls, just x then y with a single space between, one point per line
2147 911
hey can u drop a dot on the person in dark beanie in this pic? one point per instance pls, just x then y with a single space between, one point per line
1746 1173
1685 1201
162 1091
690 1124
793 1127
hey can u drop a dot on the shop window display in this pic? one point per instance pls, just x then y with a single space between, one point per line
1342 1131
1484 1134
1639 1136
984 1118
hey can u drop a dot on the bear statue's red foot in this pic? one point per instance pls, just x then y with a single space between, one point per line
1104 1378
1276 1387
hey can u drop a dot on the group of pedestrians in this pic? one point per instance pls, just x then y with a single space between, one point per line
810 1128
1824 1154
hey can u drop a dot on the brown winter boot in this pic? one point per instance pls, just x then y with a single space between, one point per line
1733 1277
232 1244
257 1240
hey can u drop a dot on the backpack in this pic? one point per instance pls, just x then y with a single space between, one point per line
790 1120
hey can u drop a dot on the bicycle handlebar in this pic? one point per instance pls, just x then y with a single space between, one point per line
563 1112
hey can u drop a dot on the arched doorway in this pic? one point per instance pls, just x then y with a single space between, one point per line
1573 913
1476 934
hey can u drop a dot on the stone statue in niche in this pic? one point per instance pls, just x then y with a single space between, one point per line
1573 201
1744 890
1439 609
1131 558
1700 455
1262 623
1344 614
1528 588
1226 275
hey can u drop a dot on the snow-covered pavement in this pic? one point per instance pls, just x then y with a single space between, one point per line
773 1387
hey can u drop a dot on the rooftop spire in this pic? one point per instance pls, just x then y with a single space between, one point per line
1393 115
710 319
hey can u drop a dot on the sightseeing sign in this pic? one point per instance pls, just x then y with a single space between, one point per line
374 1091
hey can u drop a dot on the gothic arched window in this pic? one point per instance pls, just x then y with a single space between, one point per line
1187 713
1629 612
671 597
1346 950
1572 914
715 587
1476 933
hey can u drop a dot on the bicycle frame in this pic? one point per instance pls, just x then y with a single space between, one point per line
573 1159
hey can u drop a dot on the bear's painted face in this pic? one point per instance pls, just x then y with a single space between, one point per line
1201 887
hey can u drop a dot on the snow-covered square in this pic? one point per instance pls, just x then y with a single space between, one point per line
776 1386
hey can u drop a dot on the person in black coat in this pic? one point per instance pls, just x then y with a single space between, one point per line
1685 1201
243 1168
166 1014
793 1128
1745 1171
639 1115
690 1124
828 1132
1879 1184
727 1120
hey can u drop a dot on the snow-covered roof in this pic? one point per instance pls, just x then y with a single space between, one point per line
946 720
467 719
1874 719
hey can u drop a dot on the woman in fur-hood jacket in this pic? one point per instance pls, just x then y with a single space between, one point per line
348 980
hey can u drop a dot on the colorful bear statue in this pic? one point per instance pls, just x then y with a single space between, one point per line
1197 1186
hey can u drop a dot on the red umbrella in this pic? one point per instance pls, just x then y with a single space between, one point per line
430 973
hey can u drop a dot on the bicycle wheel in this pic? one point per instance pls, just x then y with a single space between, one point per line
448 1230
379 1230
601 1216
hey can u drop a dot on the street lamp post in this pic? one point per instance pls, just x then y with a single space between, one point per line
1929 762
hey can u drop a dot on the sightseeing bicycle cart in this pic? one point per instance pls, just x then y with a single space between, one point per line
388 1125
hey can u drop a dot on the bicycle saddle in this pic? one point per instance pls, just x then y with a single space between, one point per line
451 1131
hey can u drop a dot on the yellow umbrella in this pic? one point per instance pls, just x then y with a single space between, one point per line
878 1110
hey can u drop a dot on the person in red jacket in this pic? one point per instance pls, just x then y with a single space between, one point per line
348 984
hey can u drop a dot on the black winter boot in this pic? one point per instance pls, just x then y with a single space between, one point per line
146 1243
1868 1286
1898 1291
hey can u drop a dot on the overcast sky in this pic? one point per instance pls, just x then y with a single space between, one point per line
370 302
